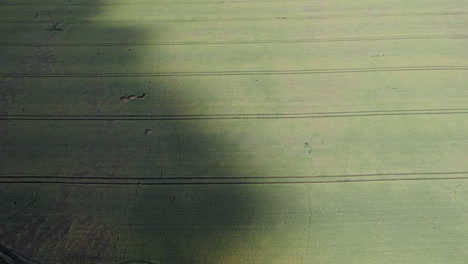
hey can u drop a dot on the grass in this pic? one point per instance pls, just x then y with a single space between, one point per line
298 132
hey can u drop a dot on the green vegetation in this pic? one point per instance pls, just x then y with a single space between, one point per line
269 131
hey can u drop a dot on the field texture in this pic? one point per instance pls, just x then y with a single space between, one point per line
205 132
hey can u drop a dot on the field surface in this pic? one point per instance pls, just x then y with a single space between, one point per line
302 131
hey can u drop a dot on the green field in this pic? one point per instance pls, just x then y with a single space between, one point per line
270 131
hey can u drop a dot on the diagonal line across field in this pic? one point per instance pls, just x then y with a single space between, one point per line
233 180
197 19
228 116
220 73
111 44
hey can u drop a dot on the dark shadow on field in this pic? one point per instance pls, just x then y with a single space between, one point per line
72 223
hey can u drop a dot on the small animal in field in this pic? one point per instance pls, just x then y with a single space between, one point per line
127 98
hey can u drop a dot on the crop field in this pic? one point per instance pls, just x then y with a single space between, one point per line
233 131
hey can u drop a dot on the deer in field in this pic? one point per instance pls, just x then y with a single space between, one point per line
127 98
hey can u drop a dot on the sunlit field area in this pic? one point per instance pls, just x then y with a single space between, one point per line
233 131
